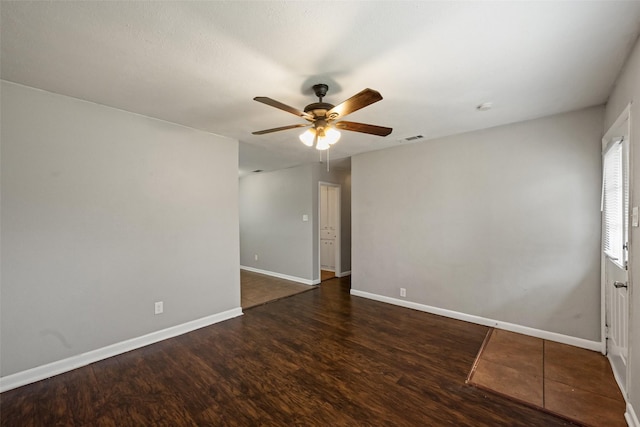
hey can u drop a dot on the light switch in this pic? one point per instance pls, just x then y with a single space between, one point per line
634 216
305 217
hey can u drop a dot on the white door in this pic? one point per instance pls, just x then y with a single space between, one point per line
329 227
324 192
327 255
332 205
616 245
617 300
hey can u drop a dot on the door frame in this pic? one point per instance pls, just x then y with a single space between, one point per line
606 139
338 255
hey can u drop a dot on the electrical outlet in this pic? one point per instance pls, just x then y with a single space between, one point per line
255 257
403 292
159 307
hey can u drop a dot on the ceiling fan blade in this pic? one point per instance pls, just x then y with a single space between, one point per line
262 132
364 128
356 102
283 107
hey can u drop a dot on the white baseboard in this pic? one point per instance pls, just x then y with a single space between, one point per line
622 383
631 417
61 366
344 274
525 330
281 276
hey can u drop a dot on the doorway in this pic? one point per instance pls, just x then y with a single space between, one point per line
329 230
616 246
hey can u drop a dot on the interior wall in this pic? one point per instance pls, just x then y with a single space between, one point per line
626 90
272 205
104 213
502 223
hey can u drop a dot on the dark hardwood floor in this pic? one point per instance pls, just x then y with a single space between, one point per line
320 358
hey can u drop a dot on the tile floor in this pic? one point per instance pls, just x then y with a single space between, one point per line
257 289
574 383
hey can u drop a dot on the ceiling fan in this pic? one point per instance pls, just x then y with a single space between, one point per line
322 117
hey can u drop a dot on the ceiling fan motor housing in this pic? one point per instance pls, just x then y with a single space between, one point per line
319 109
320 90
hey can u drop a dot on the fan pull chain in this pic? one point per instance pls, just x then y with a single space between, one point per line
328 149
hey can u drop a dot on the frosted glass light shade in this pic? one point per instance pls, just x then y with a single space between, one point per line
327 137
322 144
331 136
308 136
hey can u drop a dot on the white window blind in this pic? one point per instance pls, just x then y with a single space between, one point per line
615 201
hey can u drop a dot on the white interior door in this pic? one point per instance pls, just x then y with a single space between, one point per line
617 317
616 246
329 207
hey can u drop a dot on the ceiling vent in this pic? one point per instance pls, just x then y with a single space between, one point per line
413 138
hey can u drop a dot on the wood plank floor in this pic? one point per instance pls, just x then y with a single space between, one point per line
321 358
257 289
326 275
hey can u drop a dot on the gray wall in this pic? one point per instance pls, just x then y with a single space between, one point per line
271 226
105 212
627 89
271 208
502 223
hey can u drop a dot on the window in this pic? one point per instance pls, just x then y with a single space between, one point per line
615 203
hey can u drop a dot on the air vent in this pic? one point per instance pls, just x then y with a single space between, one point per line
413 138
258 171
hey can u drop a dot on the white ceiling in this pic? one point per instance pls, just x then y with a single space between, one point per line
200 64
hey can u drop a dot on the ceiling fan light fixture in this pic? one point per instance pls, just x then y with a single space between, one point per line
326 137
322 144
308 136
331 136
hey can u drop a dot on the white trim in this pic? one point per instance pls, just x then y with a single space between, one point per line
281 276
525 330
344 274
616 377
61 366
624 116
631 417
